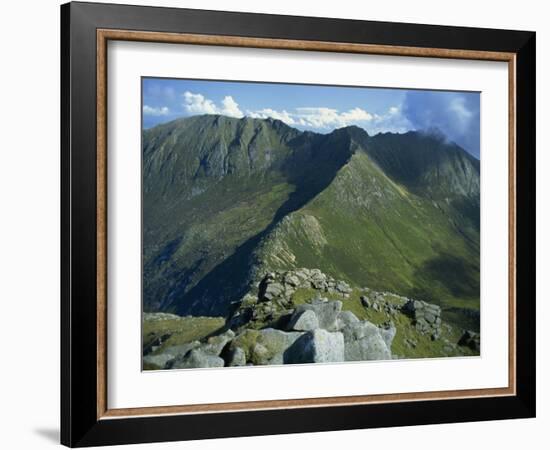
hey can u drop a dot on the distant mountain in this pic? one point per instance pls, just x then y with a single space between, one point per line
225 200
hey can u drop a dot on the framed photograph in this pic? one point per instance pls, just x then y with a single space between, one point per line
276 224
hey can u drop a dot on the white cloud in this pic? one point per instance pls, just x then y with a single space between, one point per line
356 115
155 111
315 118
321 118
283 115
231 107
328 118
199 104
392 121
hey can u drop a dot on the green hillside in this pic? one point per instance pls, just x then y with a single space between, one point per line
225 200
369 230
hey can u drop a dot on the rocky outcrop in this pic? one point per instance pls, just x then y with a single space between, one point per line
282 284
426 317
316 332
196 354
268 328
470 339
377 301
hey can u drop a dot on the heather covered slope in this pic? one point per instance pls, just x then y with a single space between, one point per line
225 200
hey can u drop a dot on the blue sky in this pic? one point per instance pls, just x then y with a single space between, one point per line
319 108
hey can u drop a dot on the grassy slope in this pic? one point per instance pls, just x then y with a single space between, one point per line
206 191
213 184
181 330
212 187
373 232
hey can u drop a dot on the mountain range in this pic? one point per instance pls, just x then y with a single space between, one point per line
227 200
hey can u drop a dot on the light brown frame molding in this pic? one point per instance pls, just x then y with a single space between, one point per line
105 35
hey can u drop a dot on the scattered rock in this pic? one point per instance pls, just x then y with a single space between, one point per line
292 279
268 328
449 349
365 301
158 316
470 339
343 287
194 359
158 360
273 290
426 317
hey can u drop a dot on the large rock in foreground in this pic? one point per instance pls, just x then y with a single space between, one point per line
327 312
365 342
265 347
304 320
197 358
317 346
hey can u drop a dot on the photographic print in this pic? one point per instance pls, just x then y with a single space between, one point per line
293 224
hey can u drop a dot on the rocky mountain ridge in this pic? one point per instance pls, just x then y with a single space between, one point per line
227 200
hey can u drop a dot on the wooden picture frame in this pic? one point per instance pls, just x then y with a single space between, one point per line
86 418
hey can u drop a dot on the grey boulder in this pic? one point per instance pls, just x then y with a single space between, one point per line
215 344
303 320
236 357
271 345
388 333
364 342
197 358
158 360
326 312
273 290
346 318
317 346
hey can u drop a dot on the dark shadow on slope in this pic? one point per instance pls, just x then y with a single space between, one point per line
310 170
458 277
469 209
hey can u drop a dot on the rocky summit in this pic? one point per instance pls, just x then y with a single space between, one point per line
305 316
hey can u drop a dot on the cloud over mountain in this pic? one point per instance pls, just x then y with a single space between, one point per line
155 111
199 104
455 114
